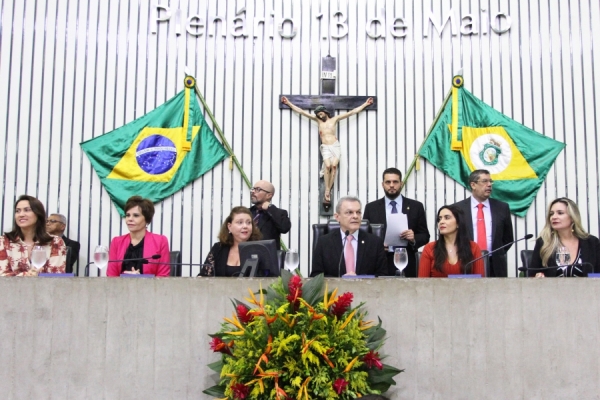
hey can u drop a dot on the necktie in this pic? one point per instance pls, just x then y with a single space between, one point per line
257 217
349 255
394 209
481 234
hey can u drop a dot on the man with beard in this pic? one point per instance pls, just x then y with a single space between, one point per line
271 221
330 146
415 236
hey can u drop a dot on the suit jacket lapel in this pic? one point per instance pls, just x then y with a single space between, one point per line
495 219
338 245
469 219
360 252
382 215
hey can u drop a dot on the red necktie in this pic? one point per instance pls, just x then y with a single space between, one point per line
349 255
481 234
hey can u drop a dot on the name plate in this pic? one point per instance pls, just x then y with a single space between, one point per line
593 275
137 276
328 74
50 275
464 276
358 276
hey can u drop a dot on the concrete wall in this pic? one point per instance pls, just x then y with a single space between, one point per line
147 338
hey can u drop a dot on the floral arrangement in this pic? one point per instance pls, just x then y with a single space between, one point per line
299 342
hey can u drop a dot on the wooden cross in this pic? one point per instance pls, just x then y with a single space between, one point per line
332 102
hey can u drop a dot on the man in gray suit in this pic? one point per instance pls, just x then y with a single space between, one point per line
491 224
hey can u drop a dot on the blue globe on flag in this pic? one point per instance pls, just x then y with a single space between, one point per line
156 154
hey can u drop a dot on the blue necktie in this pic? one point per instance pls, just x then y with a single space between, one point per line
394 209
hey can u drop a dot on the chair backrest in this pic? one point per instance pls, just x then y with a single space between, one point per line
175 259
68 268
526 260
323 229
486 264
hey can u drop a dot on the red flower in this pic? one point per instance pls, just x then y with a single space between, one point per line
295 289
342 304
240 391
243 315
372 360
340 385
219 346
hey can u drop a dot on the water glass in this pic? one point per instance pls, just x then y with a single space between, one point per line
38 257
400 260
292 260
563 257
101 256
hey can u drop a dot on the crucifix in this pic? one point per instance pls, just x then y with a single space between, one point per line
323 106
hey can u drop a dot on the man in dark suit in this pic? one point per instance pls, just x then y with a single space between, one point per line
55 225
496 224
358 253
271 221
417 234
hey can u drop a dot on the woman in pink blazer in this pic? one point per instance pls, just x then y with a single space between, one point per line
139 243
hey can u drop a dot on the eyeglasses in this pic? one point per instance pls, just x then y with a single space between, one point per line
258 190
486 181
53 221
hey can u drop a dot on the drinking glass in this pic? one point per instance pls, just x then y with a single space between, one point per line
38 257
292 259
563 257
400 260
101 256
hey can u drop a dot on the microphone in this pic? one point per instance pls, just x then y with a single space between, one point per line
568 270
144 260
526 237
347 233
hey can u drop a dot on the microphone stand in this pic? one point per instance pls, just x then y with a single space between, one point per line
347 233
526 237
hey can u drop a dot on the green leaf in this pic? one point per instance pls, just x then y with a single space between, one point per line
215 391
312 291
216 366
285 280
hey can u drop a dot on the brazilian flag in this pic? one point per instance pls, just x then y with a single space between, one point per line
468 135
158 154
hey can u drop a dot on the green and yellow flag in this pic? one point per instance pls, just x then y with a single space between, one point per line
468 135
158 154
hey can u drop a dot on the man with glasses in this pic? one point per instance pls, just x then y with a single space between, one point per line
358 253
55 225
271 221
491 224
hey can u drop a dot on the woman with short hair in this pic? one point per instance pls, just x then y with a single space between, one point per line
139 243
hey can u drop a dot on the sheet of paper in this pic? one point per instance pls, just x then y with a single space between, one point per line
396 223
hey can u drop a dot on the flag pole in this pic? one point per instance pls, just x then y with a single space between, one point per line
227 146
223 140
415 161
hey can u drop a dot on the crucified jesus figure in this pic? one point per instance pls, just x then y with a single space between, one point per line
330 146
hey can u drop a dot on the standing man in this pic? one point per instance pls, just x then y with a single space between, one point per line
330 146
271 221
492 224
380 211
359 253
55 225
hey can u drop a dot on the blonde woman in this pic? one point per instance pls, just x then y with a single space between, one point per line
563 229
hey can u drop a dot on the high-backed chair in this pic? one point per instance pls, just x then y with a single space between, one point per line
323 229
486 264
175 259
68 268
526 260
